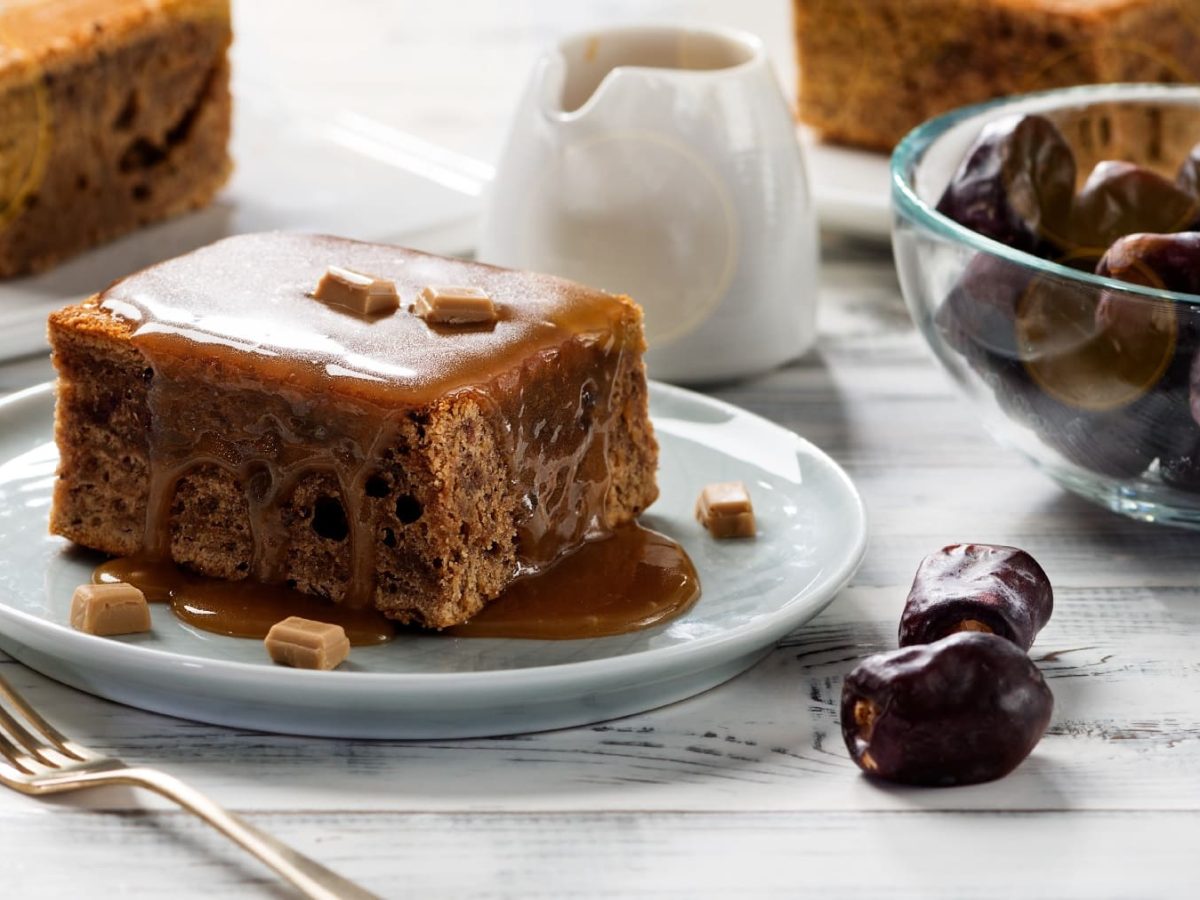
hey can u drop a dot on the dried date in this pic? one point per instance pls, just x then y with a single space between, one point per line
1121 198
966 709
1188 176
1015 185
977 587
1167 261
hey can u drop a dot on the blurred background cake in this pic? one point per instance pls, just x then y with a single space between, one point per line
113 114
871 70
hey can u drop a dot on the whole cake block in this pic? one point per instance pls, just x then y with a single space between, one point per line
113 114
211 411
871 70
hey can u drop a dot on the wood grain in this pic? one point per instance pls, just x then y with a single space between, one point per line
910 854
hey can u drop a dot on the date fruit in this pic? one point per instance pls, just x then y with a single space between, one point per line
1188 176
978 316
1144 331
1035 343
1170 262
966 709
1121 198
1015 185
1167 261
977 587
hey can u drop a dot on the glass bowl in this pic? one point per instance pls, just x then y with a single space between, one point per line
1088 377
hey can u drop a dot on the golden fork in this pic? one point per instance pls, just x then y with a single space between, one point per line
52 764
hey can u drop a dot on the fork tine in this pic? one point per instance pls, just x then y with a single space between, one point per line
14 731
49 732
18 759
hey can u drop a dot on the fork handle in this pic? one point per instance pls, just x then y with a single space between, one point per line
309 876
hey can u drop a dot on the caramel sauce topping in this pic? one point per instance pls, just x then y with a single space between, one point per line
250 374
238 608
316 389
633 579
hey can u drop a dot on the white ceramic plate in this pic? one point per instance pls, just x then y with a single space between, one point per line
812 535
337 174
851 188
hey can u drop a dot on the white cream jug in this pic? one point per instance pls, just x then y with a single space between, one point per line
663 163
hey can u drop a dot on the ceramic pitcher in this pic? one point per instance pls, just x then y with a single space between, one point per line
663 163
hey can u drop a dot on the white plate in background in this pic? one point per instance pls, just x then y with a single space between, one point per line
352 176
851 187
342 175
812 535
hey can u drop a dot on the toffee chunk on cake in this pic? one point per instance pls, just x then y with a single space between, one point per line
113 114
871 70
213 413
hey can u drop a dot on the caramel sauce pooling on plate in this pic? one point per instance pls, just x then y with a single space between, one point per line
632 579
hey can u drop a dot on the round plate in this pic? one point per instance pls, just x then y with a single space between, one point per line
812 535
852 188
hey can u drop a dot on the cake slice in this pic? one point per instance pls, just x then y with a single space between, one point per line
214 412
113 114
872 70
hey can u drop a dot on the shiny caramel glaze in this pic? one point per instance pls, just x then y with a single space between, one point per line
155 578
238 608
633 579
329 393
241 308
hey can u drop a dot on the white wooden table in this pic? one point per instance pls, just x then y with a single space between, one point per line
747 790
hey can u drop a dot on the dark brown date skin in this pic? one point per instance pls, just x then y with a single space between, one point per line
1170 262
966 709
1015 185
1121 198
987 588
978 316
1167 261
1188 176
978 319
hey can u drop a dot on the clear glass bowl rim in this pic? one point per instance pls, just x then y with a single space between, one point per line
912 149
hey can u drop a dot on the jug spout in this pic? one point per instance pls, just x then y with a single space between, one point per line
581 69
551 80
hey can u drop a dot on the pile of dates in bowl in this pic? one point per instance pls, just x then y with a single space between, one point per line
1048 248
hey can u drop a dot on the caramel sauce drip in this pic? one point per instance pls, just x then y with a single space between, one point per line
246 609
238 608
633 579
251 375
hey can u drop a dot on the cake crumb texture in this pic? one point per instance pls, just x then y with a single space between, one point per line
115 114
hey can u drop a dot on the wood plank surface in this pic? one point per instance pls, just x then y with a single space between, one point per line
1072 856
